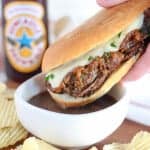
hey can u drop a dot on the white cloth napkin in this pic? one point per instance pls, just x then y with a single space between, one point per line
139 109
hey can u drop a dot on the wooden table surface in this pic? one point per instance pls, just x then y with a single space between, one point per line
123 134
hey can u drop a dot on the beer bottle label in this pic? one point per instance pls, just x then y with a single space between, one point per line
25 35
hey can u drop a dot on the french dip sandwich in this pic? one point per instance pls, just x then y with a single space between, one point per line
86 63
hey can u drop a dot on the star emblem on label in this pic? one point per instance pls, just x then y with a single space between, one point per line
25 41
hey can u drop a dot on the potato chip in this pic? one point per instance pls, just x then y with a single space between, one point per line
33 143
8 116
115 146
10 136
8 94
11 130
141 141
2 87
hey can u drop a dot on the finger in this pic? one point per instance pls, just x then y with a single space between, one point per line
109 3
140 68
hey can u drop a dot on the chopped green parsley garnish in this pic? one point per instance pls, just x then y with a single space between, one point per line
113 45
106 55
119 34
49 76
90 58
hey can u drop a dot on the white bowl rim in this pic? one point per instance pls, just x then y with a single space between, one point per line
18 97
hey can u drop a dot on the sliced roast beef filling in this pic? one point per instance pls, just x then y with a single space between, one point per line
85 80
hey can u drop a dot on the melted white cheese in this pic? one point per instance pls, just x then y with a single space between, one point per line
60 72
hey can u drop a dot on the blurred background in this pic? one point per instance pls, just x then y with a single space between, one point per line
66 15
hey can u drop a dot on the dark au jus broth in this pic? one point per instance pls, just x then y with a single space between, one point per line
44 101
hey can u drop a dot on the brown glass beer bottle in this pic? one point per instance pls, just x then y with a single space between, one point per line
25 36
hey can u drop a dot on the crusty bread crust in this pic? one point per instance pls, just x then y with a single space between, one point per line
96 31
66 101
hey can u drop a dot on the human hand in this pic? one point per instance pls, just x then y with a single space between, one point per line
109 3
143 64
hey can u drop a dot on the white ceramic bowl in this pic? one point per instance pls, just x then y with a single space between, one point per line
68 130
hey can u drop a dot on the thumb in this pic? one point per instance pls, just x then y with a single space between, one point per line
109 3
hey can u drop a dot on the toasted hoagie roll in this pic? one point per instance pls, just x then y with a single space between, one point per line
87 62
